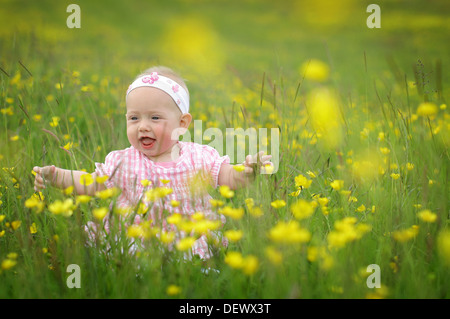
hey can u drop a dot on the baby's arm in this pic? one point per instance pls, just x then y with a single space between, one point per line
235 178
63 178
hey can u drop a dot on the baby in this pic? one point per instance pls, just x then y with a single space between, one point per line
157 105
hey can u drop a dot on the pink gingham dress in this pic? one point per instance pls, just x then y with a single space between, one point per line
127 168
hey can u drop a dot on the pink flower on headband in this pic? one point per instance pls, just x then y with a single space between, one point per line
151 79
175 88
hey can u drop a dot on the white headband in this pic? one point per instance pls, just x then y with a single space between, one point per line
176 92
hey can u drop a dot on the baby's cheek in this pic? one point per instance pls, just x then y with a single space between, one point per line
131 137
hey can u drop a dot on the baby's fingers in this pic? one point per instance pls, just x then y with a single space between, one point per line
265 158
249 160
38 183
48 171
41 174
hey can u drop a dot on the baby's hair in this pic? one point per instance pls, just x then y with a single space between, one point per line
168 72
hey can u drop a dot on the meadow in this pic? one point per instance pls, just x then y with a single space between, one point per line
364 131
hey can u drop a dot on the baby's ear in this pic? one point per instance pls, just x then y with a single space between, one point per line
185 120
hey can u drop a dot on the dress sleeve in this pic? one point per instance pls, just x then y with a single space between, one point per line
212 162
110 168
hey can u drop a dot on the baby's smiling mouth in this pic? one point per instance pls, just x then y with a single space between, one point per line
147 142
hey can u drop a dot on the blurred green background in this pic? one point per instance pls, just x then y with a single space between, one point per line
224 49
248 37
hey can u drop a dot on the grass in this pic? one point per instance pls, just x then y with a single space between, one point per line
372 127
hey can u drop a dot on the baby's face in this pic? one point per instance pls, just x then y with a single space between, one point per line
152 117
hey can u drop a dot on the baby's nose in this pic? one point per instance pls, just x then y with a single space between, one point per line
144 126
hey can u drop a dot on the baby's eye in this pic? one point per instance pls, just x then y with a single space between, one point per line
155 117
133 118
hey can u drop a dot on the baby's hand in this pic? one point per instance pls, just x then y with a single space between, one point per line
256 161
43 175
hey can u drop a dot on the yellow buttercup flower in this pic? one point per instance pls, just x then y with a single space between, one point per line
337 184
249 202
8 264
174 219
197 216
135 231
86 179
16 224
311 174
55 121
68 190
7 110
352 199
302 181
185 243
101 179
167 237
427 109
205 225
427 216
100 213
268 169
33 228
142 209
234 259
315 70
35 203
250 265
216 202
156 193
302 209
83 199
361 209
323 201
256 211
123 211
174 203
64 208
164 191
346 231
385 150
289 233
173 290
145 182
87 88
107 193
325 118
296 193
225 191
12 255
406 234
68 146
279 203
235 213
234 235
